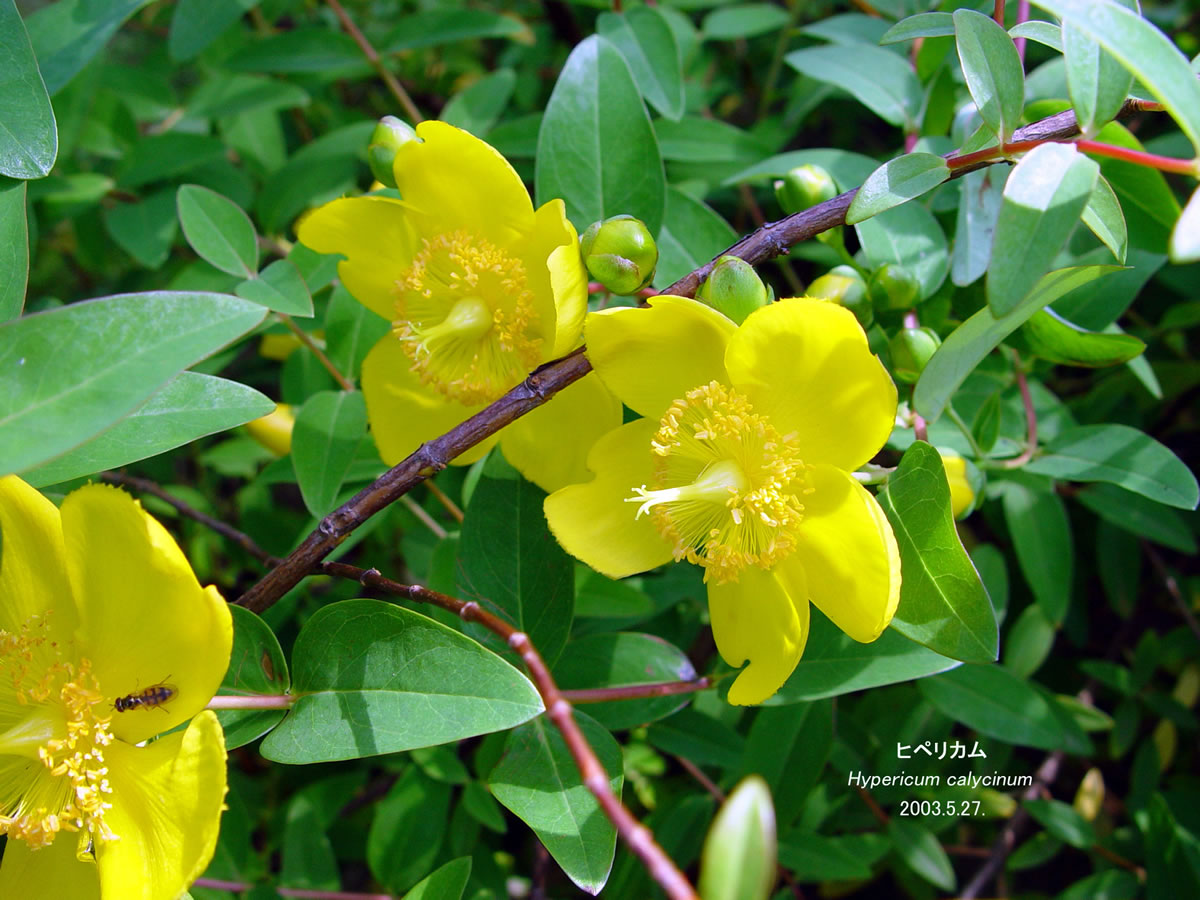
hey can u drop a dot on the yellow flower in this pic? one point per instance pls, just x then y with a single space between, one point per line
962 495
742 465
97 603
274 430
480 289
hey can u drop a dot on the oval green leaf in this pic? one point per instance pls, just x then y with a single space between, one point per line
1041 535
218 230
28 134
993 70
256 666
1043 199
943 604
328 430
646 40
14 249
895 182
879 79
931 24
911 236
376 678
1104 216
1051 337
123 350
596 147
918 847
1096 82
280 287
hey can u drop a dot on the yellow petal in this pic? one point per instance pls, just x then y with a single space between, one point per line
50 872
651 357
550 445
761 618
452 179
33 574
558 278
167 799
806 364
849 555
594 523
376 237
404 413
143 618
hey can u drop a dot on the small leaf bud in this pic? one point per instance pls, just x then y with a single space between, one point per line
911 349
893 287
620 253
739 858
962 494
733 288
274 430
843 285
386 139
804 186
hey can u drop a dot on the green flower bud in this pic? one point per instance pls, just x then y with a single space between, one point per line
620 253
803 187
911 349
843 285
733 288
893 287
386 139
739 857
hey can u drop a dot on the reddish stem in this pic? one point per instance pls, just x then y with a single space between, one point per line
1126 154
637 691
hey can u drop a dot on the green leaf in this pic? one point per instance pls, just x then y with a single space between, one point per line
931 24
911 236
739 850
375 678
189 407
1063 822
692 234
445 883
28 134
617 660
280 287
235 94
308 858
895 182
1112 884
596 147
197 23
1185 236
918 847
431 27
1096 82
1134 513
161 156
978 207
1045 33
698 737
943 604
351 330
408 830
318 50
510 564
145 228
218 230
992 69
123 350
537 779
698 140
1141 48
1041 535
1028 642
256 666
743 20
328 430
995 702
788 748
645 39
477 108
14 249
1103 215
1043 199
813 857
968 344
834 663
1119 455
67 34
879 79
1147 201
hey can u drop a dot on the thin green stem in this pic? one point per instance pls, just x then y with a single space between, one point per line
966 431
785 33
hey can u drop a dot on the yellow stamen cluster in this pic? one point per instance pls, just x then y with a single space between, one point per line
68 790
466 317
726 484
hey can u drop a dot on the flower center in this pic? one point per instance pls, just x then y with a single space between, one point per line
465 317
726 484
52 772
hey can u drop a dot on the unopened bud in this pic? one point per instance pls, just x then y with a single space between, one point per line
733 288
620 253
911 349
804 186
962 494
843 285
893 287
386 139
274 430
739 858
